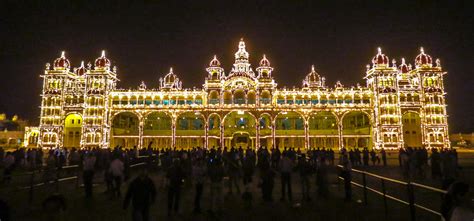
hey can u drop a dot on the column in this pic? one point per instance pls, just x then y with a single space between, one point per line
257 135
221 130
206 135
306 135
339 130
140 134
173 133
273 134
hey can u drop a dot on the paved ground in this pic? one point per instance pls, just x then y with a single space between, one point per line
334 208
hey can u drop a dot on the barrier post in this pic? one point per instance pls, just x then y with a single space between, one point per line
32 180
411 201
364 183
384 197
78 172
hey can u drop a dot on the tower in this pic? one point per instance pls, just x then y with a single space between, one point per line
99 82
56 82
382 80
433 102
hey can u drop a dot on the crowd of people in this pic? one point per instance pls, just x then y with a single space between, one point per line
222 171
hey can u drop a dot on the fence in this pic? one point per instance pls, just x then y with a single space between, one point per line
55 176
410 191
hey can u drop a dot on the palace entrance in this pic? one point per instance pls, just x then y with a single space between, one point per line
72 130
241 139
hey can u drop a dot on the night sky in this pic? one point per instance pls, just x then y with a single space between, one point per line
146 38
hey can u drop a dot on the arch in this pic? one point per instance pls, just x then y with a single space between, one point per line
412 134
265 130
213 97
214 123
265 97
72 130
323 131
157 129
239 129
356 129
251 97
125 123
289 130
190 130
227 97
239 96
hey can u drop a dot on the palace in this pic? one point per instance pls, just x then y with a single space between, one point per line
399 106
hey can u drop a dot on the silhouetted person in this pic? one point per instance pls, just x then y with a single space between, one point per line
286 167
199 176
142 193
116 170
322 178
88 173
384 157
455 204
346 174
267 182
4 211
304 169
216 174
175 176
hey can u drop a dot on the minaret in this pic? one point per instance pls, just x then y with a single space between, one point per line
242 59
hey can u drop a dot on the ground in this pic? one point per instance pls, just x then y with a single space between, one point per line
101 207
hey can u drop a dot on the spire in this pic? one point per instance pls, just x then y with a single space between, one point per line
242 58
422 50
403 60
379 50
312 69
63 54
103 53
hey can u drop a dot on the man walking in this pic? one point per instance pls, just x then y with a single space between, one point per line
88 173
286 167
116 170
142 193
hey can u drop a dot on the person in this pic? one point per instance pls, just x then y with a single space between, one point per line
286 167
384 157
199 176
9 164
88 173
346 174
175 176
322 178
216 175
4 211
455 204
267 181
116 170
304 169
142 192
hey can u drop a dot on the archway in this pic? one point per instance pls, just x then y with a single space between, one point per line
213 134
323 130
412 136
72 131
289 130
239 122
125 130
190 131
157 132
239 96
265 130
356 130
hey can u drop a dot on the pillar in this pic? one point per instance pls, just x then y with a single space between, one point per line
206 135
173 133
140 134
306 135
339 131
273 134
257 135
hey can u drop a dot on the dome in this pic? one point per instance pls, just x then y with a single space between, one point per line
61 62
102 61
423 59
313 76
170 81
264 62
404 68
81 70
214 62
380 59
313 80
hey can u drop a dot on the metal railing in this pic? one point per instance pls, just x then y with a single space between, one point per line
410 190
55 177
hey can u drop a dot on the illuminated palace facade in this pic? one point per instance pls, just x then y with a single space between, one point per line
399 106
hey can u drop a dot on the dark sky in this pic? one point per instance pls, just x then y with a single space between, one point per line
145 38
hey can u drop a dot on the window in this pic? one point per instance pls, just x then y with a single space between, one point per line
72 121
